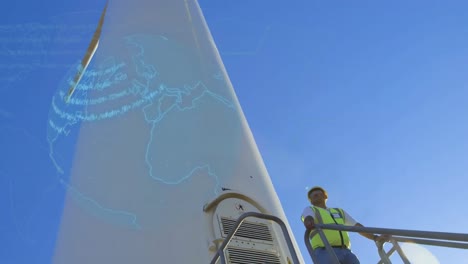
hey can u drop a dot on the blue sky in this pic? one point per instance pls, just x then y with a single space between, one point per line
365 98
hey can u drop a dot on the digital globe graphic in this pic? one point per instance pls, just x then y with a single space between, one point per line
158 86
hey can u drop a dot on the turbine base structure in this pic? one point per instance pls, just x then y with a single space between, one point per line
151 144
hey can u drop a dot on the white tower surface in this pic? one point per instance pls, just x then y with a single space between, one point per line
164 161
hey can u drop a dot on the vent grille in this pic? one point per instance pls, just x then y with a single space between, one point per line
248 256
247 229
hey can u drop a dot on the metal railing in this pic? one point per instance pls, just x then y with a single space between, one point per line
220 252
443 239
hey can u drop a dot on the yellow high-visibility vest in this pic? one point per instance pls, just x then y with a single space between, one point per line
334 237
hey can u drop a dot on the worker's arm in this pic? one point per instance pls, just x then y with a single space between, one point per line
369 236
377 238
308 218
349 220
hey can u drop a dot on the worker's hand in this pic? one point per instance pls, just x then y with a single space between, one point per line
309 222
382 238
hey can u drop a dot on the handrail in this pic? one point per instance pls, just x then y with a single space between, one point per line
398 232
443 239
220 251
432 242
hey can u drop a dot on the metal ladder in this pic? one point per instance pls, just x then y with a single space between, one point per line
442 239
220 252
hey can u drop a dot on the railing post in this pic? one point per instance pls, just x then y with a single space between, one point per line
308 236
384 256
222 257
329 249
400 251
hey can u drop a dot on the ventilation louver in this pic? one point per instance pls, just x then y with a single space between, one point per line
247 229
248 256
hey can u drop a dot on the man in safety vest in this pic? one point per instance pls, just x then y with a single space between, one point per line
339 240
